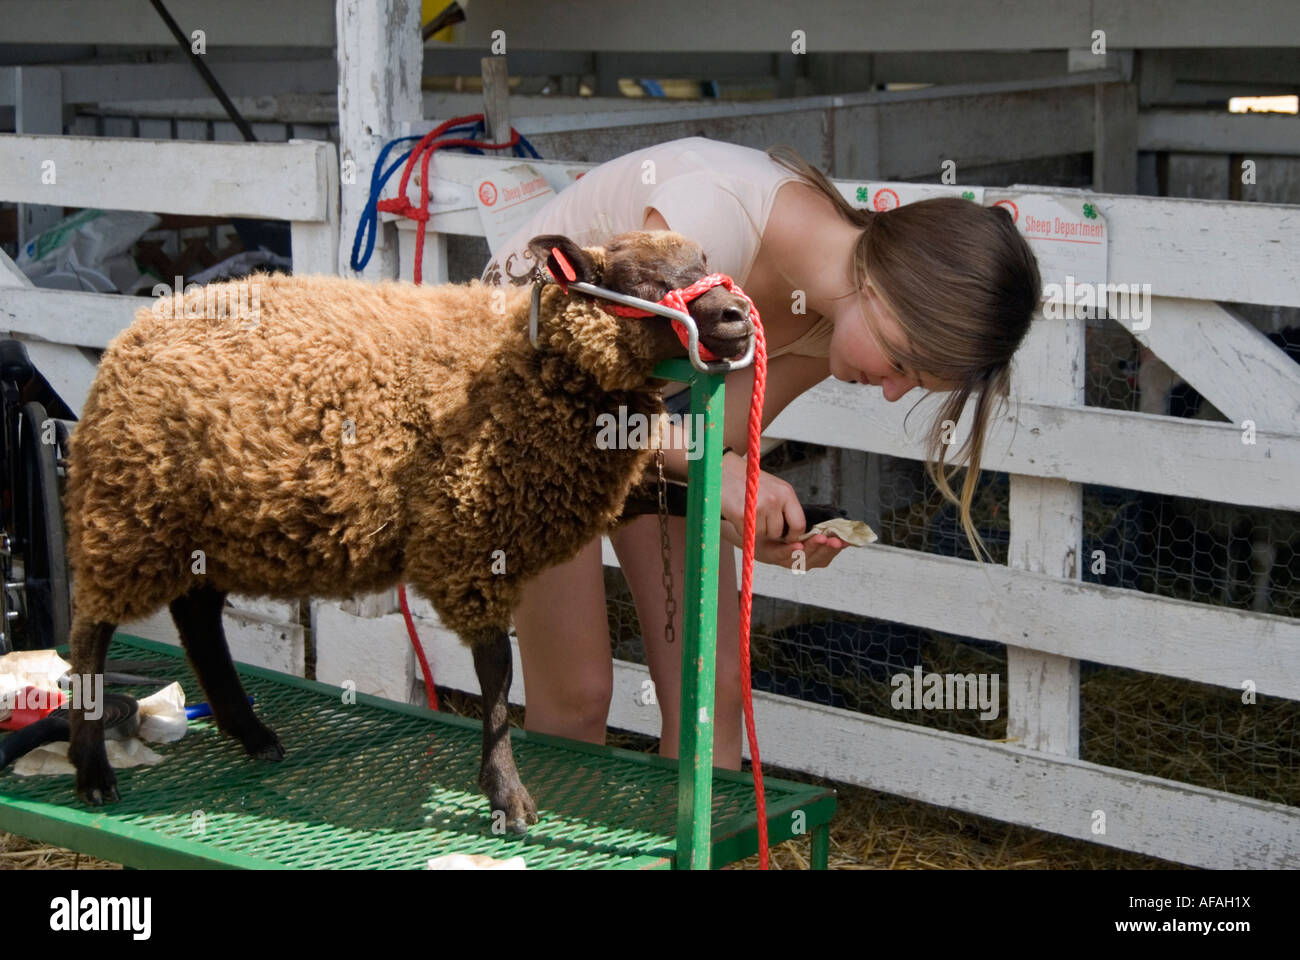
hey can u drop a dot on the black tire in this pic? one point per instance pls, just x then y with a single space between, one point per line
40 534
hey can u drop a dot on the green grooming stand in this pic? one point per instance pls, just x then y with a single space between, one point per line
370 783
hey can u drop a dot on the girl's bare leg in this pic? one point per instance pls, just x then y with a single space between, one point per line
638 546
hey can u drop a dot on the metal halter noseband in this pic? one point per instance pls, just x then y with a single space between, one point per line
672 306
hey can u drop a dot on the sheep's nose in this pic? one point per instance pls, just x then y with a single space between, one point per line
734 315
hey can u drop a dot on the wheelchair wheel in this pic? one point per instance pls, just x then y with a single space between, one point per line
45 619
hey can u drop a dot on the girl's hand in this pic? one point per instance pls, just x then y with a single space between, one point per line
777 506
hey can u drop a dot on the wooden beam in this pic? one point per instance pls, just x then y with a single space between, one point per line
1197 23
1273 65
1229 362
1171 243
1115 143
1046 536
659 112
235 23
1187 458
877 134
889 25
313 108
253 639
965 67
496 98
10 274
385 665
1210 644
982 127
272 180
96 82
68 316
315 244
1217 131
38 109
767 26
67 369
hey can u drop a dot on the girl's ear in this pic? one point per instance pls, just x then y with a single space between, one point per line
572 264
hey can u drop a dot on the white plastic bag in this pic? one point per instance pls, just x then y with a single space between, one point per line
86 251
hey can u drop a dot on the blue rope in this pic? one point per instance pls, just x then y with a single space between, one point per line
379 177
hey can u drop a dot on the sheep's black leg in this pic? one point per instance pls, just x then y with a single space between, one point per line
96 782
198 619
497 775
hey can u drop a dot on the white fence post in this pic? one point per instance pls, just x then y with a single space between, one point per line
1046 533
381 60
315 244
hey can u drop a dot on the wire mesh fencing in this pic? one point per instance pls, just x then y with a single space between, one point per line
1216 554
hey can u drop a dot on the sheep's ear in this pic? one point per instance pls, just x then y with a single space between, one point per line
573 264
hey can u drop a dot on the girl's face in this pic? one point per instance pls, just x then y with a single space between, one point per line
855 355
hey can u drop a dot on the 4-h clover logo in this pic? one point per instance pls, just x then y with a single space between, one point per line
1090 211
862 194
968 194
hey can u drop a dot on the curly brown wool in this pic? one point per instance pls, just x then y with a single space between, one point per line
351 436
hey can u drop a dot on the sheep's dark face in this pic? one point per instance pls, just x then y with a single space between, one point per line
648 264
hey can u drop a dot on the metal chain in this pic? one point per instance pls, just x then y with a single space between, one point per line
670 605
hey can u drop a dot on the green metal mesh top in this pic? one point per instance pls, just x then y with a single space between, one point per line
378 784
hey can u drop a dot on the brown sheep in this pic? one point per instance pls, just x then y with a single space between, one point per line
352 436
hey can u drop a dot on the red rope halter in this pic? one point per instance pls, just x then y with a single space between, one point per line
679 300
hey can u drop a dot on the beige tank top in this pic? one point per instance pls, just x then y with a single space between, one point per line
718 194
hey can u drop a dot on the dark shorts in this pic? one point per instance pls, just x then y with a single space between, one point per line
679 403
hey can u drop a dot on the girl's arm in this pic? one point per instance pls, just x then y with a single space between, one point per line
778 504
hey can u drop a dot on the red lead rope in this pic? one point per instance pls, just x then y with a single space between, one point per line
678 299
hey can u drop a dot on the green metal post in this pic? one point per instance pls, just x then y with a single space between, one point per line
821 846
699 615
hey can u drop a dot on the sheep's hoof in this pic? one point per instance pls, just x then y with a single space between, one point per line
262 744
512 807
96 782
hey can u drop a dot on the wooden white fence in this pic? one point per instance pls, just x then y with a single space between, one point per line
1193 254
